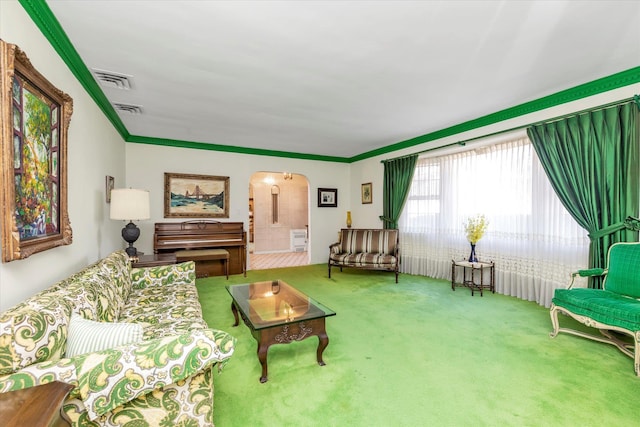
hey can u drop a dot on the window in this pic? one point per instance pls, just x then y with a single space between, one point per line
424 196
533 240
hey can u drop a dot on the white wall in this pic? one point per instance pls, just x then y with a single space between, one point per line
94 150
146 165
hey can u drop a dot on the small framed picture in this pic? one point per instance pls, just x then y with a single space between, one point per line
109 184
367 196
327 197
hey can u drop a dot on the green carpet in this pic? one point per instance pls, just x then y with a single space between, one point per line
414 354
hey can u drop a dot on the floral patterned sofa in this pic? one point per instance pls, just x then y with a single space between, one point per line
164 379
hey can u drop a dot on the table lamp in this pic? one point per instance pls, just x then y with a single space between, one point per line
130 204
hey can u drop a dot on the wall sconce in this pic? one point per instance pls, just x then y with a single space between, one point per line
129 204
287 176
275 194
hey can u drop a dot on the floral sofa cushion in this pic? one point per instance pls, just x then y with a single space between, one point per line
147 305
109 378
82 298
34 333
162 276
165 406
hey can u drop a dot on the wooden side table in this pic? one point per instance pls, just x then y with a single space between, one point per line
35 406
471 273
154 260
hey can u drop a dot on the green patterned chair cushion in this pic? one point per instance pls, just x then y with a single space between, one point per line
600 305
623 275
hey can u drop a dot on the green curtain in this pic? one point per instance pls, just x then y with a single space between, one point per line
398 174
592 162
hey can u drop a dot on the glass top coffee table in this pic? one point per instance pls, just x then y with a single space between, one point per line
277 313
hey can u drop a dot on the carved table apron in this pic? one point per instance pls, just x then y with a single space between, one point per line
285 334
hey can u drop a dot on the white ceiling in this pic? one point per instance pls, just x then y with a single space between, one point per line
341 78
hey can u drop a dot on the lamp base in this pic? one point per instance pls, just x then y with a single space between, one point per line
130 234
131 251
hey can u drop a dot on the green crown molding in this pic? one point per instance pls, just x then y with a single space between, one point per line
595 87
48 24
232 149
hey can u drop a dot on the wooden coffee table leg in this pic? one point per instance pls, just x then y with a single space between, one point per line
323 342
234 310
323 339
263 349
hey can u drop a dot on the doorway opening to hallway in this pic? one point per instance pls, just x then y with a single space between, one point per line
278 220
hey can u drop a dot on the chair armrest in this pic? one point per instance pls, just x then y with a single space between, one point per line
172 274
335 248
591 272
110 378
41 373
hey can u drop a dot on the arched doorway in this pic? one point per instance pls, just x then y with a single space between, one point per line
278 220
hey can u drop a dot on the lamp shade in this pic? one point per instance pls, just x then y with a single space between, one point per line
129 204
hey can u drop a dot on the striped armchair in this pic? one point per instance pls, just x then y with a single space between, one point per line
371 249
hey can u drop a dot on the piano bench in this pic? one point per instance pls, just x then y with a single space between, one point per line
201 256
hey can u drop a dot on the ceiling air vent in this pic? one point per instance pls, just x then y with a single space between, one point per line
113 80
128 108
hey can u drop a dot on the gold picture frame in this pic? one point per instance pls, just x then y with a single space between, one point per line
366 192
36 117
196 196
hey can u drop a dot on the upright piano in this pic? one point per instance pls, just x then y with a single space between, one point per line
176 236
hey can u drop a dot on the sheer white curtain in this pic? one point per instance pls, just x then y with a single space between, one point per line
532 239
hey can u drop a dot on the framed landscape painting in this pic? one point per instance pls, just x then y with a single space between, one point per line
34 158
196 196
